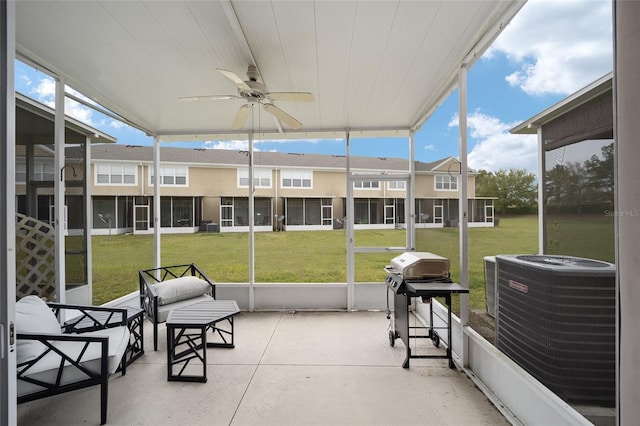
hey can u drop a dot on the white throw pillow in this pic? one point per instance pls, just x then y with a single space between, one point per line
183 288
33 316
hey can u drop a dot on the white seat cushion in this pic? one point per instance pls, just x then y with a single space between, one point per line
118 340
33 316
46 368
163 311
183 288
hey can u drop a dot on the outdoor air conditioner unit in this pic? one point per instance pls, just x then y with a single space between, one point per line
556 319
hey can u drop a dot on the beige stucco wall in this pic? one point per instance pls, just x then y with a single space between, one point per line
218 181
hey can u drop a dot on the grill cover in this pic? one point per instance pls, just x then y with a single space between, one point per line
419 265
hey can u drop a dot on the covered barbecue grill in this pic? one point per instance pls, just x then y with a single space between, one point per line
425 275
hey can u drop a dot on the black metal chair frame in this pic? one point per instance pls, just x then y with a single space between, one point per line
90 378
149 297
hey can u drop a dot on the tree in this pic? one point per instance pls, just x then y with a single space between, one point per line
486 184
516 190
581 188
599 172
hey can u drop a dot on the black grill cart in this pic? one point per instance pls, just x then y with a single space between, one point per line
425 275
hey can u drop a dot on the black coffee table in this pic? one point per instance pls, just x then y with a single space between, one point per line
187 336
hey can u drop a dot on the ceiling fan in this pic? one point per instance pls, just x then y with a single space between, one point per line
254 92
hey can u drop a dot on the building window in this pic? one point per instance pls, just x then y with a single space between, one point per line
261 178
115 174
446 183
42 170
399 185
297 179
366 184
171 176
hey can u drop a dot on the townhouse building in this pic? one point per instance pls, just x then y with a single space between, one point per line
207 190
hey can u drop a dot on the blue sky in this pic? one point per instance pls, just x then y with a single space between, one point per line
551 49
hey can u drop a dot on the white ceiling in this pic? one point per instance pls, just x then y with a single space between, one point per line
374 67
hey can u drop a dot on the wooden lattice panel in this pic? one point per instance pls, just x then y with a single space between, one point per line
35 258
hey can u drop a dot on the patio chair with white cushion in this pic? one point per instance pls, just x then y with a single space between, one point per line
51 361
170 287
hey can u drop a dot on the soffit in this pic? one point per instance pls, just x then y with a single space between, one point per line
35 125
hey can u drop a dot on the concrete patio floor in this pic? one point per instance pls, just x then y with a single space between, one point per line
302 368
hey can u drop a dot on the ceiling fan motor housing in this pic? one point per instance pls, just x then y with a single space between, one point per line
252 73
256 93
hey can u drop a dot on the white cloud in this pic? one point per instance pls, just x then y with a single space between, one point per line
495 148
25 78
243 145
558 45
235 145
430 147
79 112
45 92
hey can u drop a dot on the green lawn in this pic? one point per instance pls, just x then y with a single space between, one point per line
311 256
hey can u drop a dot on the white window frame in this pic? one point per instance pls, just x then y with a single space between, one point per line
296 179
366 185
399 185
43 170
172 173
121 170
261 177
445 180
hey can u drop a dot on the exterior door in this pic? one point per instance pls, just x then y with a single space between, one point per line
226 215
140 219
327 214
488 213
389 214
437 214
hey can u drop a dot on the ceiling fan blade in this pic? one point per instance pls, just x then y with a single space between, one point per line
241 117
282 116
234 78
208 98
291 96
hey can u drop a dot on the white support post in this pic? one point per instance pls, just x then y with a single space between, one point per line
541 169
463 208
252 277
88 216
348 223
8 414
156 202
58 190
410 210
